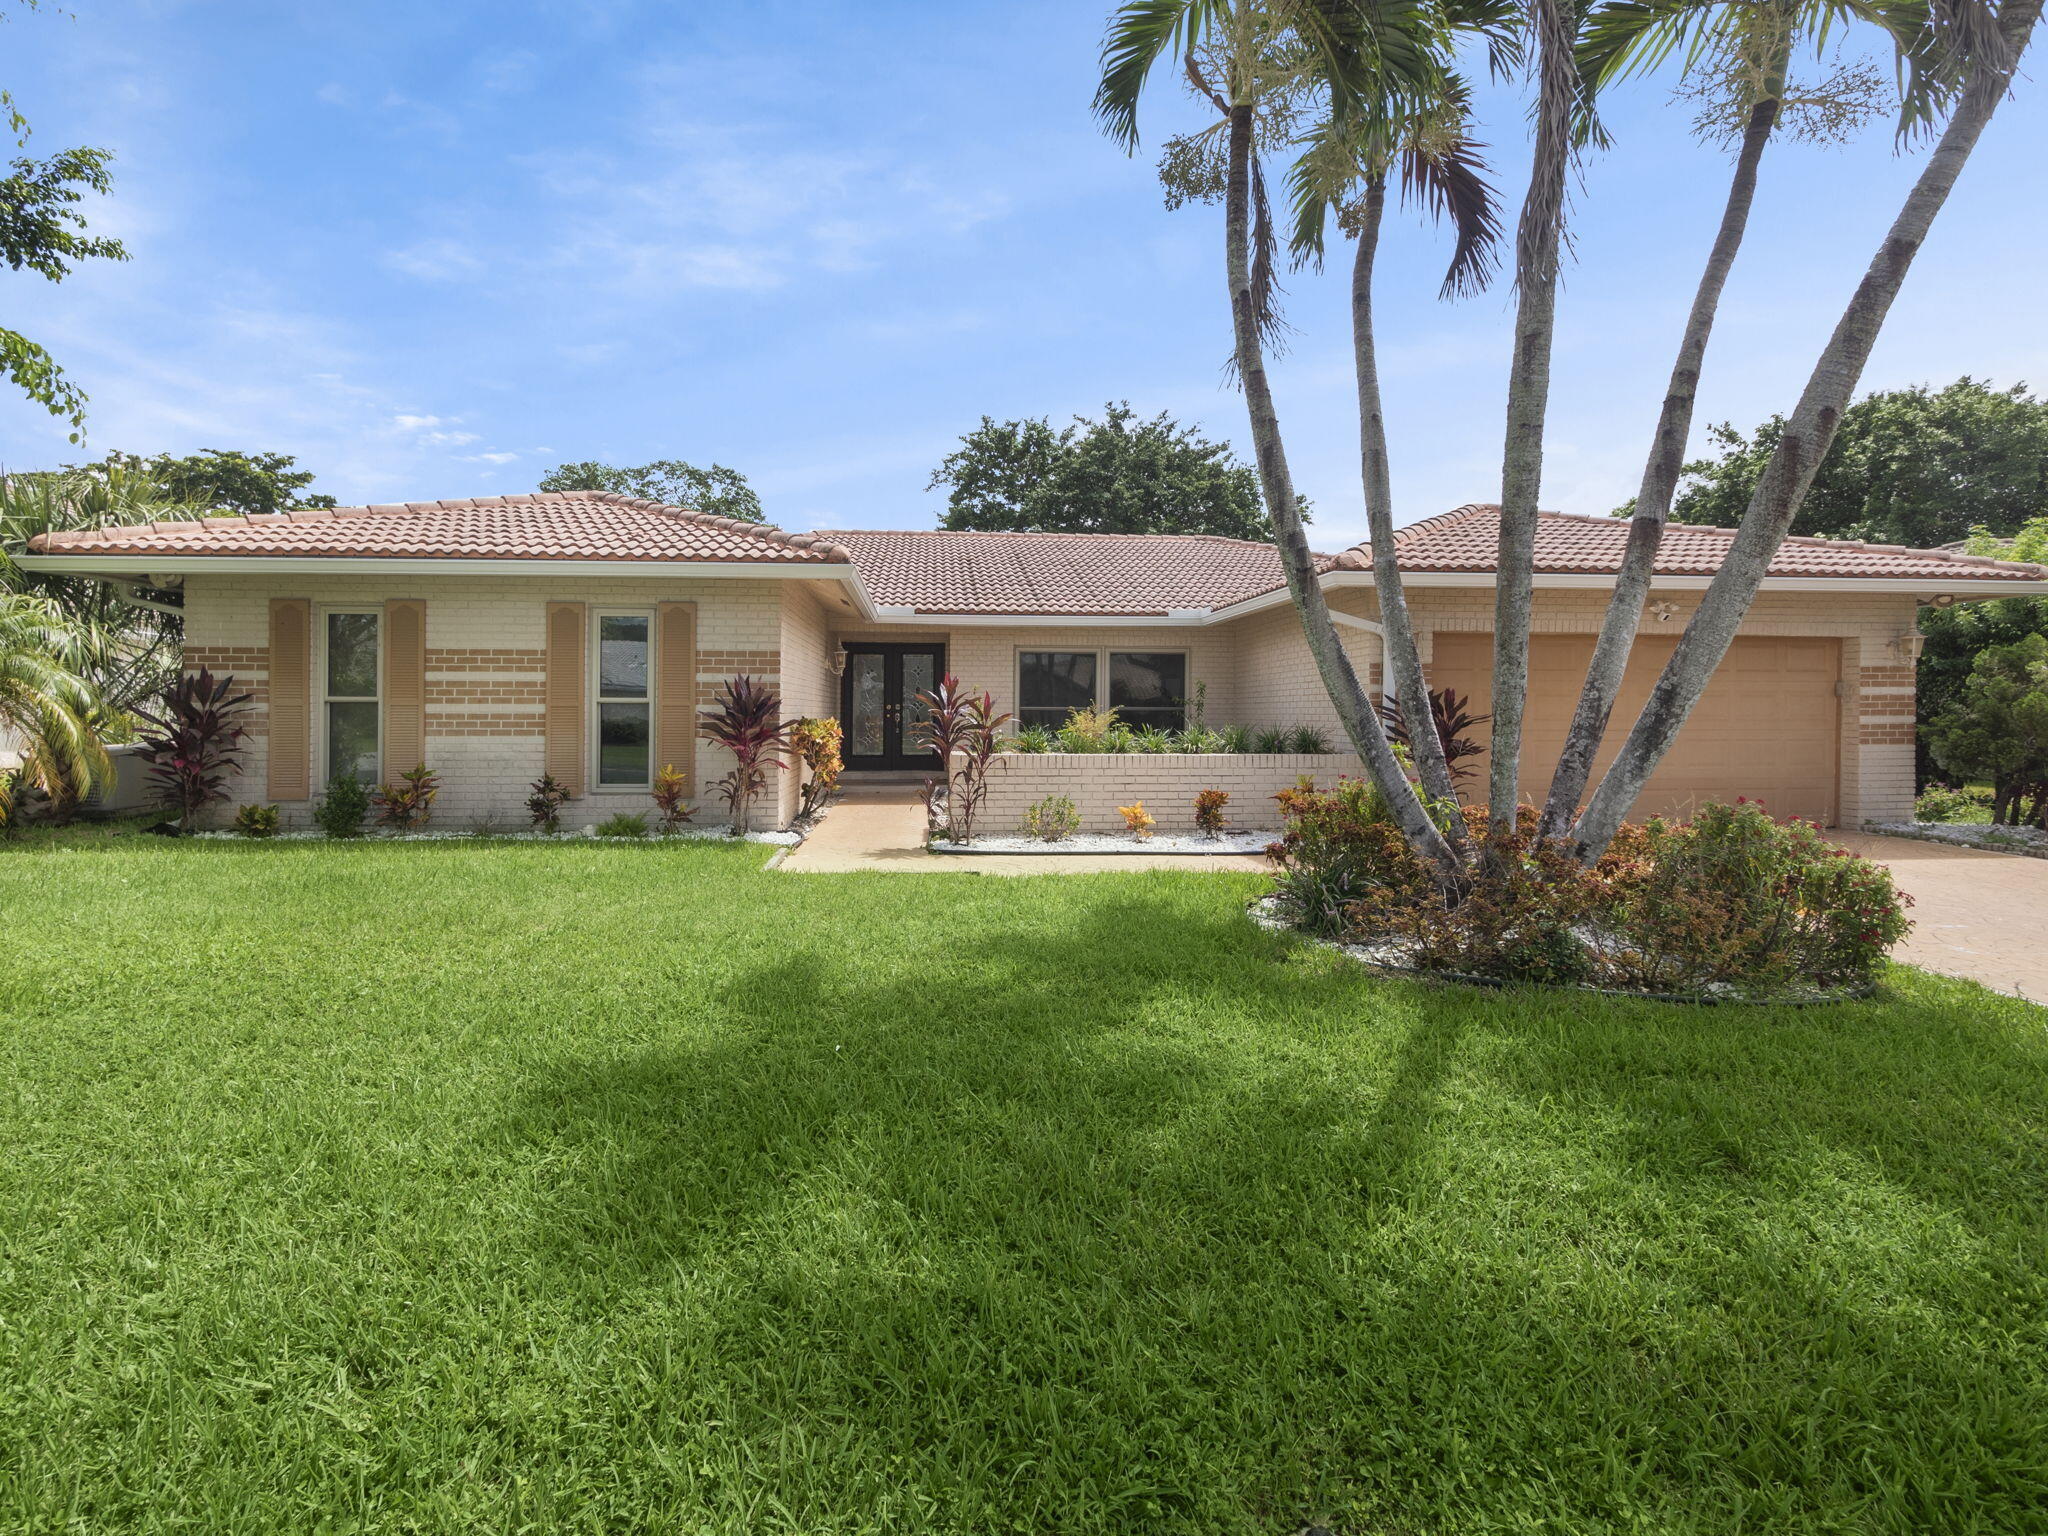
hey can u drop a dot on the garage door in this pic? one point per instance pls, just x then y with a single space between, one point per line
1767 726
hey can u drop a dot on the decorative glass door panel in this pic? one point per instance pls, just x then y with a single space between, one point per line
883 718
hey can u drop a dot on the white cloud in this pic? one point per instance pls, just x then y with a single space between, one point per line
488 458
334 94
435 260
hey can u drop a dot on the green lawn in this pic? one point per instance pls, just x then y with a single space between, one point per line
500 1187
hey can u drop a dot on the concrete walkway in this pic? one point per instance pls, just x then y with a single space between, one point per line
1975 914
882 828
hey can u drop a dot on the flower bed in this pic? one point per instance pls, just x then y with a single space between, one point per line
589 834
1099 783
2027 842
1195 843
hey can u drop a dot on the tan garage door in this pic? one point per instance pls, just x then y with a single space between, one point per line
1767 727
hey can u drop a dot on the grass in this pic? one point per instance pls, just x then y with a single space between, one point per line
503 1187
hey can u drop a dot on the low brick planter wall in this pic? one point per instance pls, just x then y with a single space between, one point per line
1167 782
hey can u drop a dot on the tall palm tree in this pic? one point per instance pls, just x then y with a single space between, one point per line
1254 49
1986 47
1343 171
1744 49
45 704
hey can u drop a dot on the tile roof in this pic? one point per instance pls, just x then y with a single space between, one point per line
547 525
1573 543
1140 575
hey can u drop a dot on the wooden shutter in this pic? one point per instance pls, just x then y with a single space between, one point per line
405 687
565 751
291 699
675 689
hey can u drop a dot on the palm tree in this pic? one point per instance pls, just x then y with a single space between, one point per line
1741 51
45 704
1242 55
1983 48
1344 171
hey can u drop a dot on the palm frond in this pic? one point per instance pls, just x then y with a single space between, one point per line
1141 33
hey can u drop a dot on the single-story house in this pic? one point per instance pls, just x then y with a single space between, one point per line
580 632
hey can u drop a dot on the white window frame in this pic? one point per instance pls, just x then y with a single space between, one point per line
1102 655
324 697
595 772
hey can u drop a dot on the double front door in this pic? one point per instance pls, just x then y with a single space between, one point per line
884 722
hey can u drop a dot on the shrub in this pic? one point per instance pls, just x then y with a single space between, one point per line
1138 821
1032 738
545 804
1452 714
256 820
1339 844
196 742
1737 903
671 788
744 723
1120 738
624 824
408 804
1997 729
1053 819
1272 740
1938 802
1236 738
1199 738
966 729
1151 739
1209 818
342 810
817 743
1308 739
1087 730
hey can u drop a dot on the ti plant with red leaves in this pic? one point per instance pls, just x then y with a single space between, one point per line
1452 713
196 743
406 805
966 731
745 722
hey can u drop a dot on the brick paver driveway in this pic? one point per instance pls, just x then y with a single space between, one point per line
1981 915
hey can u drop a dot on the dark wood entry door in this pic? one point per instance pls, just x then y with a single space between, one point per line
878 704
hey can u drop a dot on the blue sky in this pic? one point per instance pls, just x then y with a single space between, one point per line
434 250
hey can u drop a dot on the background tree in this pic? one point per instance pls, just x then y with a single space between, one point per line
46 706
1116 475
719 491
1997 729
1956 636
1919 466
217 480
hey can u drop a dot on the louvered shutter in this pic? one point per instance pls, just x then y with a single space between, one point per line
291 699
675 690
564 754
405 687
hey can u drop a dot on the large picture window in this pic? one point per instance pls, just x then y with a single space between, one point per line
1143 687
350 676
624 712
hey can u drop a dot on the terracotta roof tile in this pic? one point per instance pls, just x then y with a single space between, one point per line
546 525
1573 543
1100 574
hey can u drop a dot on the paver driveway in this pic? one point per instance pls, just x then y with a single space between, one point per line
1981 915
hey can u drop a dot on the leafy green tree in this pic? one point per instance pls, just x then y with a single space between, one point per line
41 231
719 491
1117 475
1919 466
1958 635
1998 729
45 704
218 480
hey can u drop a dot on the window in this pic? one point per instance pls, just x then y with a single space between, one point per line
349 696
624 715
1053 684
1144 687
1149 688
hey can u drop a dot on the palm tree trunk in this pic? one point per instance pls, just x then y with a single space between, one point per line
1333 663
1804 444
1521 474
1402 660
1660 475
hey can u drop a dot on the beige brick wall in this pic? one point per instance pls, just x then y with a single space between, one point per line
808 686
1277 682
484 673
1168 784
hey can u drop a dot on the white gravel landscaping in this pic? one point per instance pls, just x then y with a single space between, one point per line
2031 842
1116 842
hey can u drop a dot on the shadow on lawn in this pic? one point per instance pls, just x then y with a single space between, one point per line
1267 1240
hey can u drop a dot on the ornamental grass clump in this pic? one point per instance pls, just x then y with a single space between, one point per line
745 723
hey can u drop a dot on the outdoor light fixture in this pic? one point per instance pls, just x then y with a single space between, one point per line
1663 613
839 662
1908 645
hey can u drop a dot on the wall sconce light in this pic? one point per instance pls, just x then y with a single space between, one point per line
839 663
1908 645
1663 613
